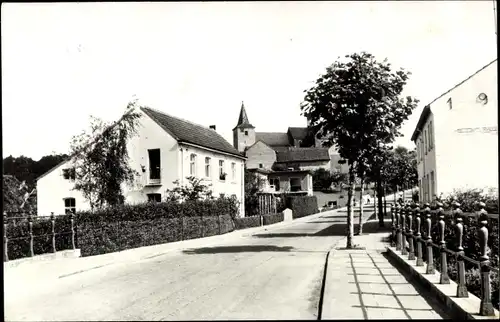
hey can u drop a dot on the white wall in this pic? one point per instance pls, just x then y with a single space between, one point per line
466 160
230 186
53 188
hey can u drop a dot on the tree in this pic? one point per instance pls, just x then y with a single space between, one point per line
356 105
253 184
100 159
195 189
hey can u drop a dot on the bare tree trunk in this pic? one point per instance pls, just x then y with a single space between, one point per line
360 230
380 206
385 203
350 209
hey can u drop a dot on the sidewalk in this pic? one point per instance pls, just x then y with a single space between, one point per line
363 284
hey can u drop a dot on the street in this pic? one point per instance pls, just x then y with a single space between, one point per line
266 277
274 273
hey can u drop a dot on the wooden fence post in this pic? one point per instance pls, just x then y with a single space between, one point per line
444 278
30 225
72 230
418 237
411 254
404 212
5 239
430 258
459 229
53 221
486 305
218 220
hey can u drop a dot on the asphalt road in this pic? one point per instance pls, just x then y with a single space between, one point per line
276 274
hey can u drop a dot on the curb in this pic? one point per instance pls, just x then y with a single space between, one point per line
459 308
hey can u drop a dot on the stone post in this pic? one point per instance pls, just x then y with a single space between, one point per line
418 236
411 253
430 258
444 278
404 251
30 225
5 239
393 226
399 238
459 229
72 223
486 305
53 221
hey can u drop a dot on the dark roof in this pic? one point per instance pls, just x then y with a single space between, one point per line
243 119
426 112
273 138
421 121
302 154
280 148
298 133
289 172
187 132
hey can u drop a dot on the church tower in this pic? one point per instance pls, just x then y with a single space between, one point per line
244 132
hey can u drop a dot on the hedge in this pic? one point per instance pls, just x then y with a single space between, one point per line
247 222
111 236
20 248
302 205
273 218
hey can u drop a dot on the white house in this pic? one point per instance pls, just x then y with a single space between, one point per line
165 149
457 137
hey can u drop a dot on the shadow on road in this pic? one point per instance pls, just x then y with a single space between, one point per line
238 249
336 229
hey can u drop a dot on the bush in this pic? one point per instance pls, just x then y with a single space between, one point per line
302 205
273 218
247 222
468 197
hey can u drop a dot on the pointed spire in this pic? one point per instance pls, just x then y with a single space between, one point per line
243 119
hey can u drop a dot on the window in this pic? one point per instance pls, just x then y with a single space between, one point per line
69 174
154 164
450 105
295 184
431 143
425 142
246 132
233 171
69 205
433 187
276 183
207 167
222 173
154 197
260 165
192 164
418 150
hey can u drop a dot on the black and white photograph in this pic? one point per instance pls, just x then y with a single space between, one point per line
250 160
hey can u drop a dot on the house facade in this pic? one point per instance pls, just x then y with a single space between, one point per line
282 158
456 137
165 149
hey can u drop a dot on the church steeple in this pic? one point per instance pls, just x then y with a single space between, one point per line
243 119
243 132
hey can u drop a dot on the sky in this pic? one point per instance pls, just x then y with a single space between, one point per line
62 62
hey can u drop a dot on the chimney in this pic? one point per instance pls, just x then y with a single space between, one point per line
212 127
